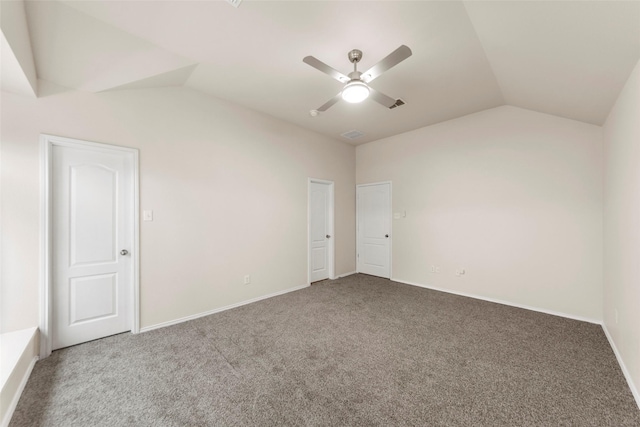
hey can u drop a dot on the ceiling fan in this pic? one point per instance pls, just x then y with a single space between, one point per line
357 87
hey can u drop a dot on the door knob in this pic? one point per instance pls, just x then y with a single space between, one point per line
124 252
328 236
386 235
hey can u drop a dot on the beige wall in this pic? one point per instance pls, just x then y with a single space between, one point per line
228 188
622 227
512 196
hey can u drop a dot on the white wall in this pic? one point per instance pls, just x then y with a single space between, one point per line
622 228
512 196
228 188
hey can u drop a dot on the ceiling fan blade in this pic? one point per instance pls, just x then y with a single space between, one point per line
391 60
330 102
319 65
381 98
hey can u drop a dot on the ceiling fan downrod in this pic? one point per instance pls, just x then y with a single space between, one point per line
355 56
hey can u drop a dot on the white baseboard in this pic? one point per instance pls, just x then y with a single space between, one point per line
625 371
16 397
218 310
345 274
526 307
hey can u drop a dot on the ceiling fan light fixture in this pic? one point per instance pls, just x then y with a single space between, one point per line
355 91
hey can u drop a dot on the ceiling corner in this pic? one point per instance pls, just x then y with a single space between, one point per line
484 51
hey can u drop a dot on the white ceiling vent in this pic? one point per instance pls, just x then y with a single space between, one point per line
352 134
234 3
398 103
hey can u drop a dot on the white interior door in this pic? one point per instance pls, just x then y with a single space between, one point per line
374 229
92 237
320 230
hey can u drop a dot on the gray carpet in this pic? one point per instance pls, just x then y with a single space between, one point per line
358 351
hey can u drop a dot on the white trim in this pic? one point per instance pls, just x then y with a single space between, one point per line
498 301
623 367
16 397
46 142
45 247
390 224
332 247
135 301
390 230
218 310
351 273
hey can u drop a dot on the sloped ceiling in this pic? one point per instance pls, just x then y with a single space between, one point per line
17 69
564 58
570 59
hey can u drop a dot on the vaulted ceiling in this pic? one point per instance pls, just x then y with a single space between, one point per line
569 59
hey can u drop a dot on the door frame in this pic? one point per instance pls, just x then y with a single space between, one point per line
47 142
331 245
358 186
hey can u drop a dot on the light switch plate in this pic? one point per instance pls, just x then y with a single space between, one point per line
147 216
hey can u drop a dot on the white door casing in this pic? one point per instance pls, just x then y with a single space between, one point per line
373 206
90 288
320 237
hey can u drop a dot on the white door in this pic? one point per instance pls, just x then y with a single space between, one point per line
374 229
320 225
92 235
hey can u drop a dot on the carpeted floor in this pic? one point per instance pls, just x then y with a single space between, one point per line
358 351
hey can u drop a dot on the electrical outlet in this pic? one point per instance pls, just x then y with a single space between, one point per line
437 269
247 279
460 272
433 268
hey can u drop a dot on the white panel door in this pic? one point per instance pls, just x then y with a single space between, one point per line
92 223
320 212
374 229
